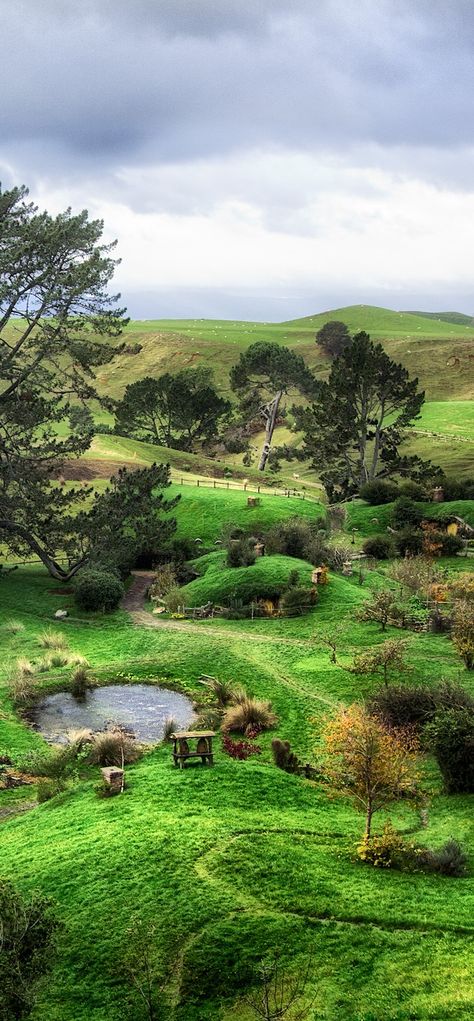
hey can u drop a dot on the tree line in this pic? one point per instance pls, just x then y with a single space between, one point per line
59 323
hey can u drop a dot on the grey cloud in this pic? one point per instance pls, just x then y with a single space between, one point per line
104 83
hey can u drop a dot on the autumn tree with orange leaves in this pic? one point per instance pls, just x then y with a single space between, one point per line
368 763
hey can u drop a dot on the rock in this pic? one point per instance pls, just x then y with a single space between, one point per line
61 614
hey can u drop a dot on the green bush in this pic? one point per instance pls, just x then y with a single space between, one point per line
399 705
387 850
96 589
240 553
450 544
409 543
405 513
450 736
296 601
381 547
414 490
378 492
448 860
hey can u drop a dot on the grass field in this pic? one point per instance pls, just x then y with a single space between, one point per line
234 861
425 346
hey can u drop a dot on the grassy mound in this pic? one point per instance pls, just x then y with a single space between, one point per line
266 578
373 520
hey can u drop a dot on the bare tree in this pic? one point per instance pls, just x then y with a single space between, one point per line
280 996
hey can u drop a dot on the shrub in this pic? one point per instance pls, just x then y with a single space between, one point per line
387 850
113 747
283 757
52 661
169 727
163 582
336 516
381 547
448 860
414 490
463 631
293 579
398 705
296 601
450 736
450 544
249 713
47 789
223 691
240 553
409 543
174 600
25 666
96 589
22 691
405 513
378 492
291 537
240 749
53 640
56 765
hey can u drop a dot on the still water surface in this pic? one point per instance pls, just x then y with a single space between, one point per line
141 708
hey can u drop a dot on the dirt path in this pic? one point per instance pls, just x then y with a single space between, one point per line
135 596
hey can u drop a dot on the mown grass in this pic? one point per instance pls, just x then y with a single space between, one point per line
374 520
238 860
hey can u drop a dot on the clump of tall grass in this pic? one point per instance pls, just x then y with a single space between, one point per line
25 667
249 715
223 691
81 682
22 691
79 737
53 640
169 727
114 747
58 658
13 626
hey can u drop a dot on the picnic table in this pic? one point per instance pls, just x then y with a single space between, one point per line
182 751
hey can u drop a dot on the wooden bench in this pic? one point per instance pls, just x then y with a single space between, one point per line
203 748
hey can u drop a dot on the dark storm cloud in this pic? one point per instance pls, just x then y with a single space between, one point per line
93 84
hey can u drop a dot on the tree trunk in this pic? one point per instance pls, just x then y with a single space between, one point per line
271 414
368 820
53 568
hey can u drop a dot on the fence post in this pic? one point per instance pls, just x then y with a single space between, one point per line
198 483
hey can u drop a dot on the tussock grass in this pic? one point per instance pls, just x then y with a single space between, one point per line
25 667
53 640
114 747
248 714
13 627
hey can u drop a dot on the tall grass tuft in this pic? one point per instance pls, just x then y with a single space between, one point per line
13 626
22 691
114 747
249 714
25 667
169 727
53 640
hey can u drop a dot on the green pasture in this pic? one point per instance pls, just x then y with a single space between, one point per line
450 418
232 862
434 350
373 520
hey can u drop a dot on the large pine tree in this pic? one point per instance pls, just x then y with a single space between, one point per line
353 431
58 322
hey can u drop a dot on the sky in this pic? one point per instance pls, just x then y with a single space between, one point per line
255 159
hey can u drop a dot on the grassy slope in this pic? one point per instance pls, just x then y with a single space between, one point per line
220 583
427 347
423 345
241 858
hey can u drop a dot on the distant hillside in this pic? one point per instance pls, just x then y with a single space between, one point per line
447 317
435 351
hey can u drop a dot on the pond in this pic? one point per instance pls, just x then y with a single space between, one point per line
141 708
